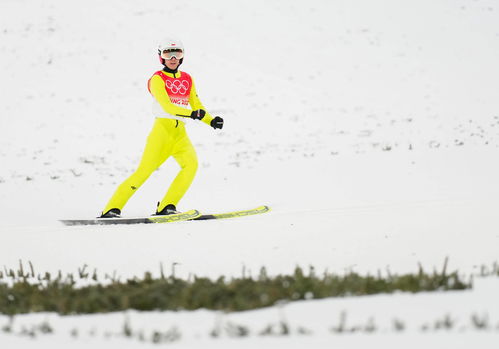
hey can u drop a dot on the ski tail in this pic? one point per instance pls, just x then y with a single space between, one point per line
178 217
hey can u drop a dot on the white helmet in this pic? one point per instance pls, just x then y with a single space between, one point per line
169 44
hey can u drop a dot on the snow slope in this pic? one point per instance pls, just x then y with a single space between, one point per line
370 128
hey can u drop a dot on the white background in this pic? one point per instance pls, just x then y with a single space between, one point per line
369 127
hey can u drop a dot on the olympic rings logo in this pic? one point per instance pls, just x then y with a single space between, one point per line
178 86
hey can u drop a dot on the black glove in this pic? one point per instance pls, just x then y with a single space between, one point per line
217 122
197 114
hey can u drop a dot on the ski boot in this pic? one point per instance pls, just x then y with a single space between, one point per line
112 213
169 209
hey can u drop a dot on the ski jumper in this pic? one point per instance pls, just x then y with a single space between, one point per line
172 95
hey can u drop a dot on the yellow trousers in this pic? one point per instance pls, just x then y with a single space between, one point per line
167 138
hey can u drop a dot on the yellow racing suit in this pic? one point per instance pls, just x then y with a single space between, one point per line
172 95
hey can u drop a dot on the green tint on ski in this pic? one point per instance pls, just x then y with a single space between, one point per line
244 213
183 216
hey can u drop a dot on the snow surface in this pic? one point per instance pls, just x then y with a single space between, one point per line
433 320
370 127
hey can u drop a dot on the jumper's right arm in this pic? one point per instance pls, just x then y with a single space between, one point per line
157 88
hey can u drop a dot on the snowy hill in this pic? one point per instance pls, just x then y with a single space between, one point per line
370 128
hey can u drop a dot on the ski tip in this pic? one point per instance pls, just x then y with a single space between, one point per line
234 214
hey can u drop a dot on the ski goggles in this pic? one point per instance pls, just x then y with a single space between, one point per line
170 53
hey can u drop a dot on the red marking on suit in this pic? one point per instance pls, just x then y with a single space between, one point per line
178 89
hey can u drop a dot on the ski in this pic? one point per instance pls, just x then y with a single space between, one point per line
192 215
244 213
183 216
